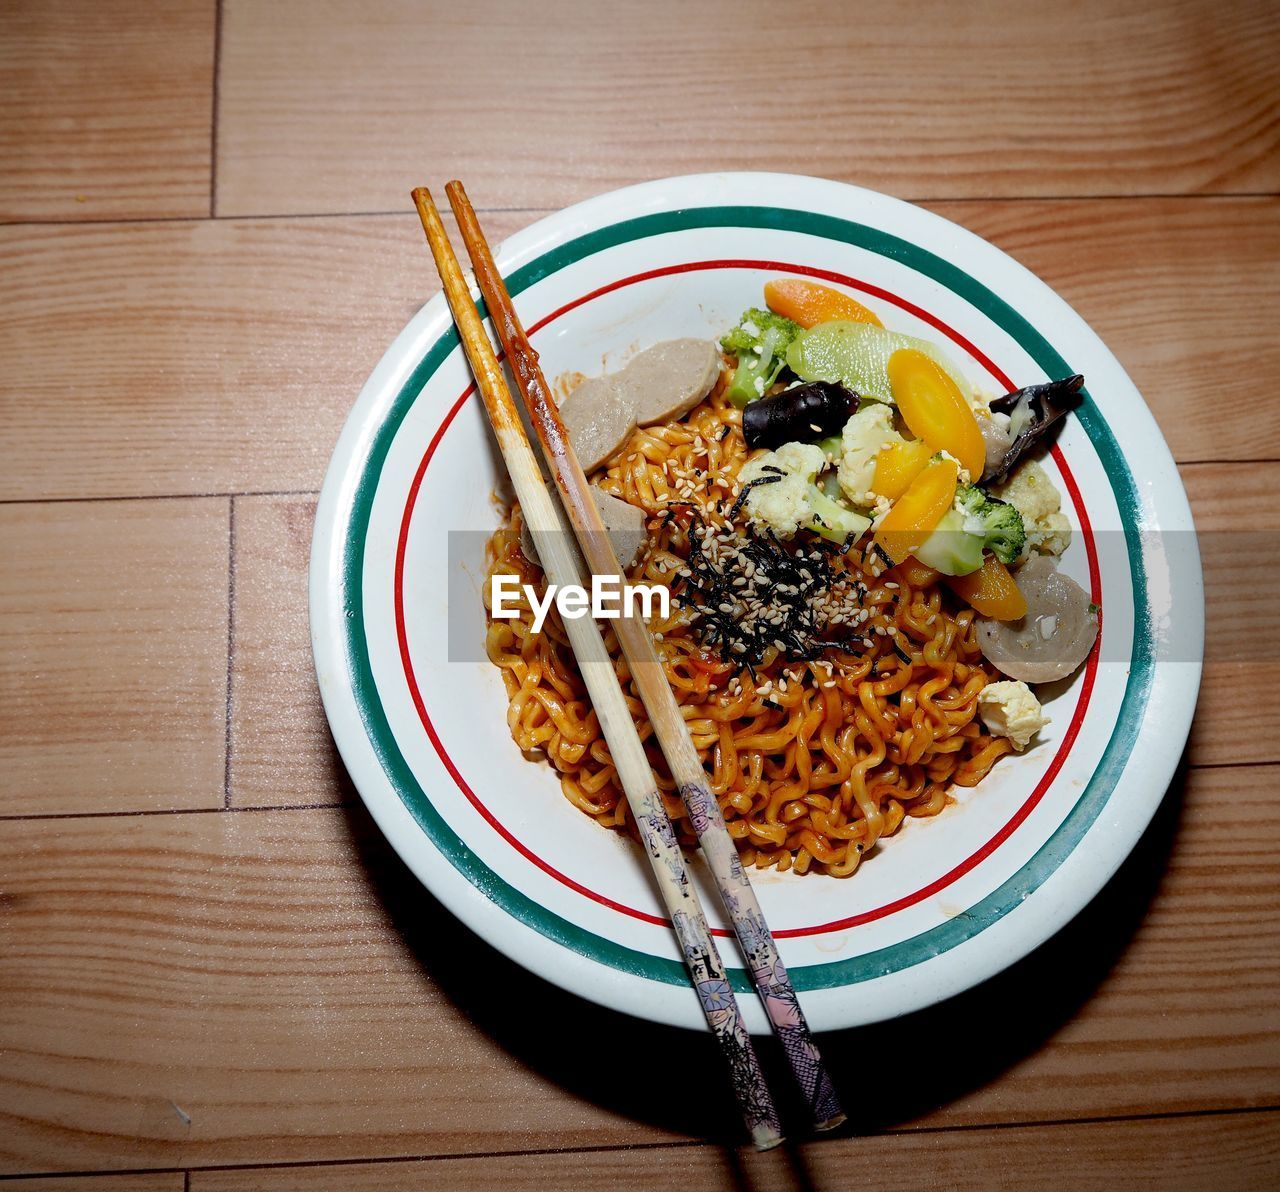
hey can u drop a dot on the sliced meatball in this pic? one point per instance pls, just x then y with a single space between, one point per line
663 382
599 419
667 380
1055 636
623 521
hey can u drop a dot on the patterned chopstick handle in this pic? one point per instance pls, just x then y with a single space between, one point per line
763 962
710 981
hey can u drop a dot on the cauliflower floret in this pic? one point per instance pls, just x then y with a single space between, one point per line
1009 709
1051 535
800 459
869 430
783 505
1030 491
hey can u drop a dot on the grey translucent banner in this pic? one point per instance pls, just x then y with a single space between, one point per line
1240 572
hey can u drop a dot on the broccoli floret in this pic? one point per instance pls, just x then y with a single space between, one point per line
832 520
949 548
999 523
975 523
760 342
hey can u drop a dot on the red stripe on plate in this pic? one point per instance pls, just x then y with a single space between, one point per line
880 912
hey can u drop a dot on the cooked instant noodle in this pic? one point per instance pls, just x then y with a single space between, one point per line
813 758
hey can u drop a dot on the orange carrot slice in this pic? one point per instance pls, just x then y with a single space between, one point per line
916 513
898 465
991 590
807 303
935 410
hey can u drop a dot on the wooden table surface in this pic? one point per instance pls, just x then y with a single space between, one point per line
213 971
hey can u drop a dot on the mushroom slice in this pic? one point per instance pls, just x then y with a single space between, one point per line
599 419
1055 636
667 380
623 521
1033 412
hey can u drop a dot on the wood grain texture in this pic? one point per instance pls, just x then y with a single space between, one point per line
1172 287
224 356
105 108
250 987
190 990
275 699
333 110
1220 1153
132 1182
195 357
1237 512
230 987
113 633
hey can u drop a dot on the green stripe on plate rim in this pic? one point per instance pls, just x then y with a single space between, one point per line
887 960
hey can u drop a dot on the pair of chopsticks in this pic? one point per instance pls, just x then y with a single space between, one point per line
561 564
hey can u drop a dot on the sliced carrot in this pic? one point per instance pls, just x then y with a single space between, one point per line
807 303
898 465
916 513
916 574
991 590
935 410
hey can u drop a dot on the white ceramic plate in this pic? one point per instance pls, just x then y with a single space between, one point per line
948 901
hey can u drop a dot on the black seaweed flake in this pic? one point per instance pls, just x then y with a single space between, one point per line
736 508
751 593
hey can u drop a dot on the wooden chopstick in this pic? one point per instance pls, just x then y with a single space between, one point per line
561 563
757 942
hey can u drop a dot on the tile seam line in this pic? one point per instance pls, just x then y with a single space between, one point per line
276 217
220 808
1229 765
674 1144
1209 463
231 652
194 496
214 104
315 492
1219 196
25 817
